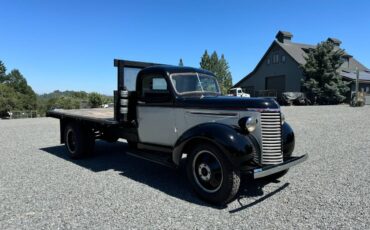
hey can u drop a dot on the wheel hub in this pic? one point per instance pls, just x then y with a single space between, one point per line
207 171
204 172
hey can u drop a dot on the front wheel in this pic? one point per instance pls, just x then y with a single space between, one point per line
212 175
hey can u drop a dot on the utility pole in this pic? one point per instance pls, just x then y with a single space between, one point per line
356 99
357 77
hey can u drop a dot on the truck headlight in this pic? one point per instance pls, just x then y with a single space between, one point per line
248 123
282 118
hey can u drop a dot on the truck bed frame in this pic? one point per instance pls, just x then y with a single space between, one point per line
99 115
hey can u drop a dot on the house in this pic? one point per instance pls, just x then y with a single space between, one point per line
279 70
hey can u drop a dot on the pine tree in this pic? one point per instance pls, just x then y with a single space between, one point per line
323 83
226 78
219 67
214 66
181 63
205 61
2 72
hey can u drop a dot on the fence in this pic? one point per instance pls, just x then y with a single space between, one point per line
367 99
266 93
22 114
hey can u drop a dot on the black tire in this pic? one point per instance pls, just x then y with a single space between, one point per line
132 144
79 141
276 176
212 175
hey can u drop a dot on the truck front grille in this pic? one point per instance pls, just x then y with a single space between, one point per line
271 138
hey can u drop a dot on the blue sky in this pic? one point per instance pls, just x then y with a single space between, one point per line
71 44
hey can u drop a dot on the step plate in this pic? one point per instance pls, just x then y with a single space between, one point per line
155 157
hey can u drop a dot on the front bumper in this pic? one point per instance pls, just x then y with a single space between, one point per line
272 169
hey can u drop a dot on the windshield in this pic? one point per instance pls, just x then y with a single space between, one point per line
194 83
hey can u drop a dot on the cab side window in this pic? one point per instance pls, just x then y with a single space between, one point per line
159 83
155 89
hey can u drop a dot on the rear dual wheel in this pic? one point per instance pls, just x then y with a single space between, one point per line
212 175
79 140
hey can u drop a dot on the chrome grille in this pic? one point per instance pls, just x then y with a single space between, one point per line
271 138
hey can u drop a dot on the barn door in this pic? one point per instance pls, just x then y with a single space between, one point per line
276 84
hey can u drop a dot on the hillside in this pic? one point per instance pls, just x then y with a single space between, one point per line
70 100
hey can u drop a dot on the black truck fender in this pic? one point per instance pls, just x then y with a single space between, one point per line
236 146
288 140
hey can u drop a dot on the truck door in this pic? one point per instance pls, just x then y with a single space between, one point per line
155 111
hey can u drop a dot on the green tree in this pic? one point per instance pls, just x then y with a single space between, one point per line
8 99
2 72
95 100
181 63
107 99
70 100
205 61
15 93
323 83
214 66
27 97
51 103
16 80
62 102
219 67
225 77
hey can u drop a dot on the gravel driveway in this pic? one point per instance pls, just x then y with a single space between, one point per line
40 187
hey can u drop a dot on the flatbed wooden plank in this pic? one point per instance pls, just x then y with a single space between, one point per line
99 113
102 115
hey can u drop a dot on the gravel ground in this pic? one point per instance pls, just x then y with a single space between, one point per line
40 188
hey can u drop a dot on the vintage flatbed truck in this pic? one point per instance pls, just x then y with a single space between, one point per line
167 113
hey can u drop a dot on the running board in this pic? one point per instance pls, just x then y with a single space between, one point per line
155 157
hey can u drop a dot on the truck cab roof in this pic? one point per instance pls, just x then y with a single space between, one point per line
169 69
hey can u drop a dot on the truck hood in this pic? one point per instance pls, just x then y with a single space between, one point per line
226 103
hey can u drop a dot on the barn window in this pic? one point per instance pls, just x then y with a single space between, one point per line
275 58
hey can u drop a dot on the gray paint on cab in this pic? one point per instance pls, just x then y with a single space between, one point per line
173 122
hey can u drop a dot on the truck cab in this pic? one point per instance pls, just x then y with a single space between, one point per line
169 113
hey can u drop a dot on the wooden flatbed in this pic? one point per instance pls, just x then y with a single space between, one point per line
104 116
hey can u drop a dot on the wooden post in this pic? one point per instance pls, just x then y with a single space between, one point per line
357 78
